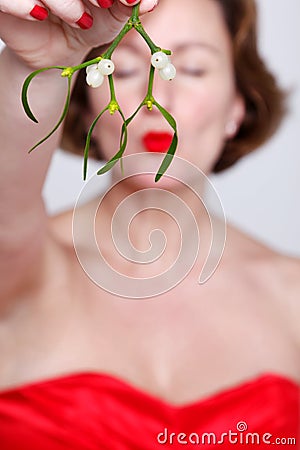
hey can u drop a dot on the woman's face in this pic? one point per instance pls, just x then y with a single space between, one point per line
202 97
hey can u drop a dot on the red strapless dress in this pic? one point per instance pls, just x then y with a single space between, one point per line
90 411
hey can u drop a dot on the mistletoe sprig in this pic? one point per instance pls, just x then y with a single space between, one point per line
96 70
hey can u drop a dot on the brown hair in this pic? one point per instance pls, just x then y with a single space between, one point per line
264 100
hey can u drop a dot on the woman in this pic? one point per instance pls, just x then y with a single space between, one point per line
83 368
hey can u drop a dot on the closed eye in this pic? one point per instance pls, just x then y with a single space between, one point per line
191 71
126 73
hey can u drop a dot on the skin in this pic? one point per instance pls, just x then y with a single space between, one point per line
204 65
187 343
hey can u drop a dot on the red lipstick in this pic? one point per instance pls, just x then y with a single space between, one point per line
157 141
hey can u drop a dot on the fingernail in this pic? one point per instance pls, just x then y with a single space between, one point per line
130 1
105 3
85 22
39 13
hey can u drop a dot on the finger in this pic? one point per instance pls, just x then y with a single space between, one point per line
27 9
102 3
145 6
148 6
73 12
129 2
120 10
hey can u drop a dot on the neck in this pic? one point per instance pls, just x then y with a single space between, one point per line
151 224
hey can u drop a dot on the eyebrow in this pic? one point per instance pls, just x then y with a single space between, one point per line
133 47
179 47
202 45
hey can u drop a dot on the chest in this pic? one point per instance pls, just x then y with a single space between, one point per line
178 346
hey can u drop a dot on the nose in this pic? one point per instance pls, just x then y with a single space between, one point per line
163 92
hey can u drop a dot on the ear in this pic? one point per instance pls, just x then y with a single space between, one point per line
236 116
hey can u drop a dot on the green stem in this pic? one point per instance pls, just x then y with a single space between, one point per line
127 27
112 89
140 29
113 106
133 22
150 82
87 63
135 14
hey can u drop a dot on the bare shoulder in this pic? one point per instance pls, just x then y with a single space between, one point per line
285 279
271 273
281 271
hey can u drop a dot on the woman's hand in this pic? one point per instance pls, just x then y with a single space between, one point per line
59 32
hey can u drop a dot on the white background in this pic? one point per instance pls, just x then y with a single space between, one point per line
261 193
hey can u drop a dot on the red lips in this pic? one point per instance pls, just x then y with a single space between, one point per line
157 141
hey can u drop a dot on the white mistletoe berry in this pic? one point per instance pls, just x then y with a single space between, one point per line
94 78
159 60
168 72
106 66
92 67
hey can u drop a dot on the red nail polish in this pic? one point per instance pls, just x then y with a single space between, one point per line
130 1
85 22
39 13
105 3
